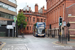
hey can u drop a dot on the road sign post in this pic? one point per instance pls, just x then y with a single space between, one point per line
68 25
60 21
15 25
60 24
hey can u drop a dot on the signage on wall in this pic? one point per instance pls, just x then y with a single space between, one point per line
3 22
69 14
9 27
13 24
64 23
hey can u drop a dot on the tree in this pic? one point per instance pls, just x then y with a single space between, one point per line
35 24
21 20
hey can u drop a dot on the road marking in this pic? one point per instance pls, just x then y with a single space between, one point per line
27 47
55 43
15 47
62 44
2 45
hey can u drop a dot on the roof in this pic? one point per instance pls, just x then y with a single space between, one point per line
41 11
27 8
71 5
1 18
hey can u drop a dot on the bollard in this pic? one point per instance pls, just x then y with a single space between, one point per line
54 32
68 37
64 39
59 38
48 35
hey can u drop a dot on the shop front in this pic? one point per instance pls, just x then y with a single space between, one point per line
6 28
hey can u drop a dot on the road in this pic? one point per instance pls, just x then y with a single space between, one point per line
33 43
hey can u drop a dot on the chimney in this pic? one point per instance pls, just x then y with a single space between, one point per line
36 8
29 9
43 9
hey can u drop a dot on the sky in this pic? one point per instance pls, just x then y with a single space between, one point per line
31 3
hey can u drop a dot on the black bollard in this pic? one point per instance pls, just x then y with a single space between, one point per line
59 38
48 35
68 37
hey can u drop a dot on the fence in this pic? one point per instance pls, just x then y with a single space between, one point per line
52 32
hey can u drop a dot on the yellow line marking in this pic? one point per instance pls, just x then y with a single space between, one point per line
57 44
2 45
60 44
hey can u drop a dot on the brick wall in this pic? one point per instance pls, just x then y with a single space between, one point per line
33 15
60 8
71 19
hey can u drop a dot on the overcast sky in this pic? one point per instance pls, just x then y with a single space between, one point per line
22 3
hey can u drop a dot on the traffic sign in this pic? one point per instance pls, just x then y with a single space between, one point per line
64 23
13 24
68 24
14 19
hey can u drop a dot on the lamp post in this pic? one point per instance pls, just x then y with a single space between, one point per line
68 25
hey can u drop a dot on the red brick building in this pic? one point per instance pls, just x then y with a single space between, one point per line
33 17
63 8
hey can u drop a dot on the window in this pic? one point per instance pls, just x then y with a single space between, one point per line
37 19
41 20
5 15
33 19
27 27
13 1
27 19
27 11
23 11
5 6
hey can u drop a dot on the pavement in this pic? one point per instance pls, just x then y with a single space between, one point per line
69 43
35 43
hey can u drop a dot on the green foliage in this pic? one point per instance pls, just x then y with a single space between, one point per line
21 20
35 24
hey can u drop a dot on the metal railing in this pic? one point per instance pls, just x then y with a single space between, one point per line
52 32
